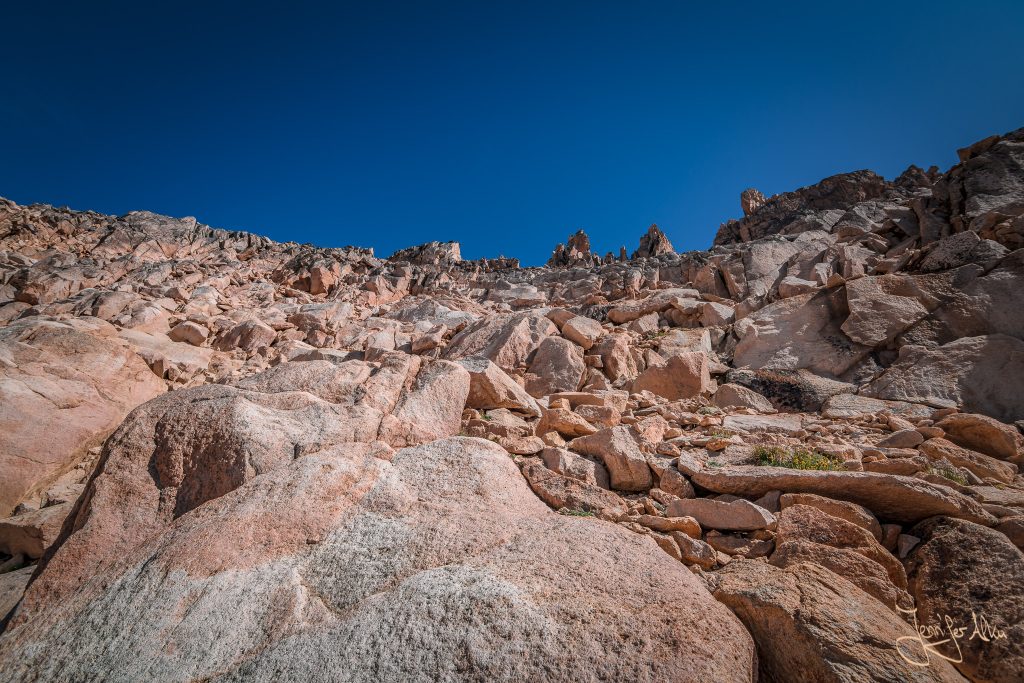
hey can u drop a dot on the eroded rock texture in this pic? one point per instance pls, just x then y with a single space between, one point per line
226 458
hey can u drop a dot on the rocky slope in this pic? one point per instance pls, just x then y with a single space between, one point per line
227 458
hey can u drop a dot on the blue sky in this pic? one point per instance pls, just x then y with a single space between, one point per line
505 126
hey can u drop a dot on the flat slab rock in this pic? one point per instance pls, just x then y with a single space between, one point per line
786 424
899 498
438 565
733 515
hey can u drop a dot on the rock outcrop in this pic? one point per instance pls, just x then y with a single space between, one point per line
227 458
653 243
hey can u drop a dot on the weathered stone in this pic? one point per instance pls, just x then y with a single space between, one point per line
866 574
738 396
882 307
735 515
903 499
509 341
799 332
659 301
584 331
798 390
569 464
617 361
557 366
806 523
673 482
463 559
851 512
682 376
63 387
785 424
12 586
807 619
565 422
794 286
685 525
982 465
852 405
985 435
979 374
694 551
31 533
653 243
972 576
563 491
904 438
490 387
189 332
249 336
618 450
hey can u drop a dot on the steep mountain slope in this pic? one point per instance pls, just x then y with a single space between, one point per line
233 459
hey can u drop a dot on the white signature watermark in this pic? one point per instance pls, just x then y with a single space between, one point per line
946 635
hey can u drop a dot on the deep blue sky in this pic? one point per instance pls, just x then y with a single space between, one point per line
505 126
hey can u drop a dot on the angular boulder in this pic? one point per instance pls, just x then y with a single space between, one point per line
490 387
188 447
618 450
733 515
684 375
800 332
557 366
507 340
985 435
971 576
584 331
811 624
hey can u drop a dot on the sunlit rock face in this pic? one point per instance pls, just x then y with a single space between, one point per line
227 458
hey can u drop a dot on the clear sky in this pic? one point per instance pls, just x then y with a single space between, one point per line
505 126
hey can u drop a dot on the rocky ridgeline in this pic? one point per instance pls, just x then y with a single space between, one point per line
226 458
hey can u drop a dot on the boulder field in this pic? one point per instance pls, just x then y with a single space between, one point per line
792 457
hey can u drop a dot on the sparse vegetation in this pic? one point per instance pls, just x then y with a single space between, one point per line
949 473
796 458
576 512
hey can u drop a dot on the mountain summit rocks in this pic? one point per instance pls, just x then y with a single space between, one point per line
227 458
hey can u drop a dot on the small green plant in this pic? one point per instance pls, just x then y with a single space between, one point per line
949 473
797 458
576 512
484 415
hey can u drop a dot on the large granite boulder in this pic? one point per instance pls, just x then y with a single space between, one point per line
438 565
64 386
813 625
970 576
977 374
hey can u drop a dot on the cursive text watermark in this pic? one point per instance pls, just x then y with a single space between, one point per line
943 639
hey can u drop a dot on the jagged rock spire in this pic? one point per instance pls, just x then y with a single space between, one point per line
576 252
751 199
654 243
